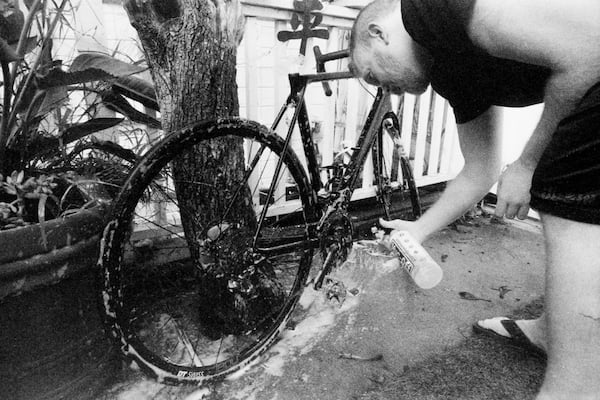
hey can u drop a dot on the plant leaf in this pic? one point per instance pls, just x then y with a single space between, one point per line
105 63
30 44
87 67
53 98
119 104
137 89
45 145
11 22
115 149
57 77
78 131
7 53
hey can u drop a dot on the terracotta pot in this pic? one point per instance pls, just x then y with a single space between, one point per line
52 344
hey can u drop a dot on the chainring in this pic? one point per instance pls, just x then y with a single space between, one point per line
336 230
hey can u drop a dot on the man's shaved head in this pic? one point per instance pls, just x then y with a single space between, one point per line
371 11
383 53
359 36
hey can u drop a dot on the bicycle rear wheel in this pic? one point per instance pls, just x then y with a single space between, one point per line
196 306
391 167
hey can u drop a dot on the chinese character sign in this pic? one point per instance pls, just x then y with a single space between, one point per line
306 15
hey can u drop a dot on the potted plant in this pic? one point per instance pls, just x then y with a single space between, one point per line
52 202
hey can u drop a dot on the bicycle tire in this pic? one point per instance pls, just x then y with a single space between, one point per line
163 330
413 190
381 180
384 169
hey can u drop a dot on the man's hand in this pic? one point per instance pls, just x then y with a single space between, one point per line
403 225
513 191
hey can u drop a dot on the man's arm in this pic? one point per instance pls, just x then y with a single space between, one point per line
557 34
561 97
479 142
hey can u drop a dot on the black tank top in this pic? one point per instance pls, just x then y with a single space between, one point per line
468 77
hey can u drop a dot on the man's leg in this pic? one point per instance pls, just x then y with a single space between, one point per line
572 305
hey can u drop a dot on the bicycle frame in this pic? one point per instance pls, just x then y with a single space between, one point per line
334 203
380 111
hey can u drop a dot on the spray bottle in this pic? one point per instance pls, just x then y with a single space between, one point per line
416 261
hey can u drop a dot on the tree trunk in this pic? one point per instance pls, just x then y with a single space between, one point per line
191 46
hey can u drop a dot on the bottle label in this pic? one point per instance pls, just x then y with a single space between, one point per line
407 259
406 264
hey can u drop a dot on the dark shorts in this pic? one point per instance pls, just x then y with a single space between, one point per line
566 182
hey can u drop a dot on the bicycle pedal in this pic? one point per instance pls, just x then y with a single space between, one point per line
335 289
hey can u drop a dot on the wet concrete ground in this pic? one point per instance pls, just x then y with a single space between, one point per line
389 319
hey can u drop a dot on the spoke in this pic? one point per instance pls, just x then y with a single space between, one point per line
183 211
167 289
183 337
198 337
165 323
192 352
242 184
247 174
168 194
260 176
188 345
275 200
272 186
219 351
165 192
172 232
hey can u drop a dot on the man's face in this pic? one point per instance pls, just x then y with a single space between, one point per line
398 66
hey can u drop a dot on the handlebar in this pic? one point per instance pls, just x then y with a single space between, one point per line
321 59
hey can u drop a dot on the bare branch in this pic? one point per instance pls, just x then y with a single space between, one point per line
229 20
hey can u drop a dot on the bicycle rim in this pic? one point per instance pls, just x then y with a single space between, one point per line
190 314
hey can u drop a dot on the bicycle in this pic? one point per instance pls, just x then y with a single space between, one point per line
200 319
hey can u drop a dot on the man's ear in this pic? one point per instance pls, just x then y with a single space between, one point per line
376 31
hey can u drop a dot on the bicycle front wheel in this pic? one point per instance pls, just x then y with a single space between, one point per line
202 269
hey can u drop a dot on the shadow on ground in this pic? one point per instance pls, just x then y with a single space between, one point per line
478 368
388 339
